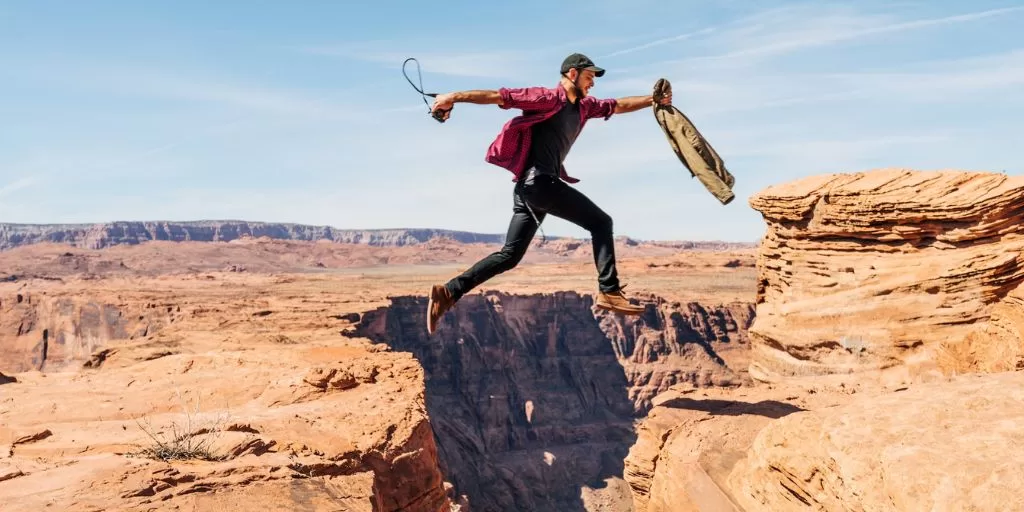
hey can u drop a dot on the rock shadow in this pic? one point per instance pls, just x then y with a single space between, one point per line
528 401
767 408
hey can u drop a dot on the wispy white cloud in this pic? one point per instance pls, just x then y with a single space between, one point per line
822 34
950 81
941 80
17 185
249 97
584 44
788 29
836 150
138 80
474 63
146 157
482 64
732 91
659 42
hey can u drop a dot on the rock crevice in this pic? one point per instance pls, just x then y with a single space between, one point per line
534 397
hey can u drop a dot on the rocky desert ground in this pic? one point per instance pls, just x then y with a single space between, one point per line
866 355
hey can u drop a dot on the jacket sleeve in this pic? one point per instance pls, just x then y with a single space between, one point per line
599 107
527 98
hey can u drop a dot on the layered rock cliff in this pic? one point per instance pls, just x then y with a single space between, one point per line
245 398
53 333
877 291
533 398
98 236
824 444
868 270
308 428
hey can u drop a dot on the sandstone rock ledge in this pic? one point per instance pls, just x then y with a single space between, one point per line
888 329
941 446
951 444
875 269
304 428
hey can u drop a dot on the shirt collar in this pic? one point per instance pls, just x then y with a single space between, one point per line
563 95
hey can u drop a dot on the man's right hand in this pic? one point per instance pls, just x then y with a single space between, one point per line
443 102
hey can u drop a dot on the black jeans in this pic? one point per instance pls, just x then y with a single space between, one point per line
545 194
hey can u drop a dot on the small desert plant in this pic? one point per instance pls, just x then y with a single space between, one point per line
189 441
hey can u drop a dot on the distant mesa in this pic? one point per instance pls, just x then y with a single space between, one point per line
102 235
108 234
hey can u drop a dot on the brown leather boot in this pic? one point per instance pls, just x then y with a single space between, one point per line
440 301
615 301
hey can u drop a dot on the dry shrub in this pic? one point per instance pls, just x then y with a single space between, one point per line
192 439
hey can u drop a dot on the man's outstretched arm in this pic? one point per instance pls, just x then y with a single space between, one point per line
480 97
634 103
526 98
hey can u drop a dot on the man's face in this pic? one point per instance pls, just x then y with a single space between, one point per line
585 80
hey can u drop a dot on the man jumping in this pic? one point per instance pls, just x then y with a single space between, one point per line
533 146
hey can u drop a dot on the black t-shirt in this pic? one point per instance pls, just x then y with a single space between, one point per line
553 137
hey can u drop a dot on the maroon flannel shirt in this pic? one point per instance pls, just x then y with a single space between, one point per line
512 146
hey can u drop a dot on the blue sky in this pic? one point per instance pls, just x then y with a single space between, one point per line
298 111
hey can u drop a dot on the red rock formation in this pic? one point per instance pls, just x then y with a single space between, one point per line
824 444
251 368
868 283
912 450
996 346
868 270
40 332
533 398
284 441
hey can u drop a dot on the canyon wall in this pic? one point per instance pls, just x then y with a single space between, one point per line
870 270
533 398
53 333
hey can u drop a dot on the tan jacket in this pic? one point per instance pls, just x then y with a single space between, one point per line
696 153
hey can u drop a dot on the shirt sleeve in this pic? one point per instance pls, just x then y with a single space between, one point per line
526 98
600 107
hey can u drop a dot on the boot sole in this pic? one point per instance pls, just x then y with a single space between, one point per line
620 310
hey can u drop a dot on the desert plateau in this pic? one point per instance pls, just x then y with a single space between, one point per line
866 354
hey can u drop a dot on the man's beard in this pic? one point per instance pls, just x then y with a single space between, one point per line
579 90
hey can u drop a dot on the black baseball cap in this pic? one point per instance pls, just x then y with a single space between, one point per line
580 61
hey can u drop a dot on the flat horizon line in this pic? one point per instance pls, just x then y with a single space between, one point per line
86 225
